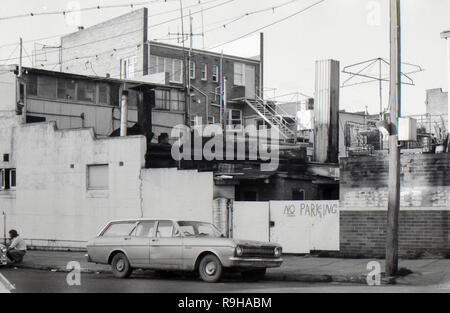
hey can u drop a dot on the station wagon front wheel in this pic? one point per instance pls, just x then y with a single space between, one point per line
121 266
210 268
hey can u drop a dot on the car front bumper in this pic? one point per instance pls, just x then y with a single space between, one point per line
254 262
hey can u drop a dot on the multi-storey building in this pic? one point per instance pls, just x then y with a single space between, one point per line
224 89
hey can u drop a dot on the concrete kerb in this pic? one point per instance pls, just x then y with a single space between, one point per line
288 277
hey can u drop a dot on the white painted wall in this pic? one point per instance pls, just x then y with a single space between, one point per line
171 193
52 200
251 221
299 226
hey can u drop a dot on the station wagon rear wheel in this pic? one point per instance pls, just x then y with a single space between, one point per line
210 268
121 266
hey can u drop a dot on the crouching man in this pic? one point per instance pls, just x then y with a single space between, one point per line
17 249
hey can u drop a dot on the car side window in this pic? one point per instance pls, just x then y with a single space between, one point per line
165 229
145 229
119 229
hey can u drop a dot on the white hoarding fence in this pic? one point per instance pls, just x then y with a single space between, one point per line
299 226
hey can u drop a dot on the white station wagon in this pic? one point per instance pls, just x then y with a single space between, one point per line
169 245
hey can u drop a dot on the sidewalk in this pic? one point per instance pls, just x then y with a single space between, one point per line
426 272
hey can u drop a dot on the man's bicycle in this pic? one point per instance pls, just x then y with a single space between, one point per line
3 257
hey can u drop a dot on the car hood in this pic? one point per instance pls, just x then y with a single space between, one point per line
254 243
227 242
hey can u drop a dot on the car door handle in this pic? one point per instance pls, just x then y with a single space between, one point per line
127 238
154 240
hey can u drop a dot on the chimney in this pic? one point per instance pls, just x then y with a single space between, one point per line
124 114
326 110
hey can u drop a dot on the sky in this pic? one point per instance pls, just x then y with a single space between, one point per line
350 31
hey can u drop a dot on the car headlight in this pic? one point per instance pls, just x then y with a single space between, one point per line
239 251
277 251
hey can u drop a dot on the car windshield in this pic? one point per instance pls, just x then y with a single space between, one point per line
199 229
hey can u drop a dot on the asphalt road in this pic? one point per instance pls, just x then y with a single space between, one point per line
148 282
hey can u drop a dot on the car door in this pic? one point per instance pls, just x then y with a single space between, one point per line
138 243
166 247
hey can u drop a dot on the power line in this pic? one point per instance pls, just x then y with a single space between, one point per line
224 23
100 27
127 33
268 25
97 7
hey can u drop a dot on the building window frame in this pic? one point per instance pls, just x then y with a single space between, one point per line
215 74
160 64
128 67
232 124
8 179
239 76
204 72
191 69
89 185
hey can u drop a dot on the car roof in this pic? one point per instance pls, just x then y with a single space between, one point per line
152 219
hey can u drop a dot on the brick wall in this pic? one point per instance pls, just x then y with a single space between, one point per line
113 40
425 205
421 233
425 181
208 86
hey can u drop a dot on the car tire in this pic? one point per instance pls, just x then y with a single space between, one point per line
120 266
210 268
254 275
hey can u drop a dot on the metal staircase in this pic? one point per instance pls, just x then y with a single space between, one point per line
274 117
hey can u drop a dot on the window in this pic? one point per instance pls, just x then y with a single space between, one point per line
177 75
192 70
298 194
12 178
86 91
119 229
66 89
170 100
162 99
177 101
215 75
239 74
32 85
47 87
204 71
128 67
7 178
167 65
211 120
195 120
98 177
103 93
145 229
22 93
165 229
235 119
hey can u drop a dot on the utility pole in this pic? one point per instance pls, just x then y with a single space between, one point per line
186 71
261 69
21 56
225 100
394 151
222 113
